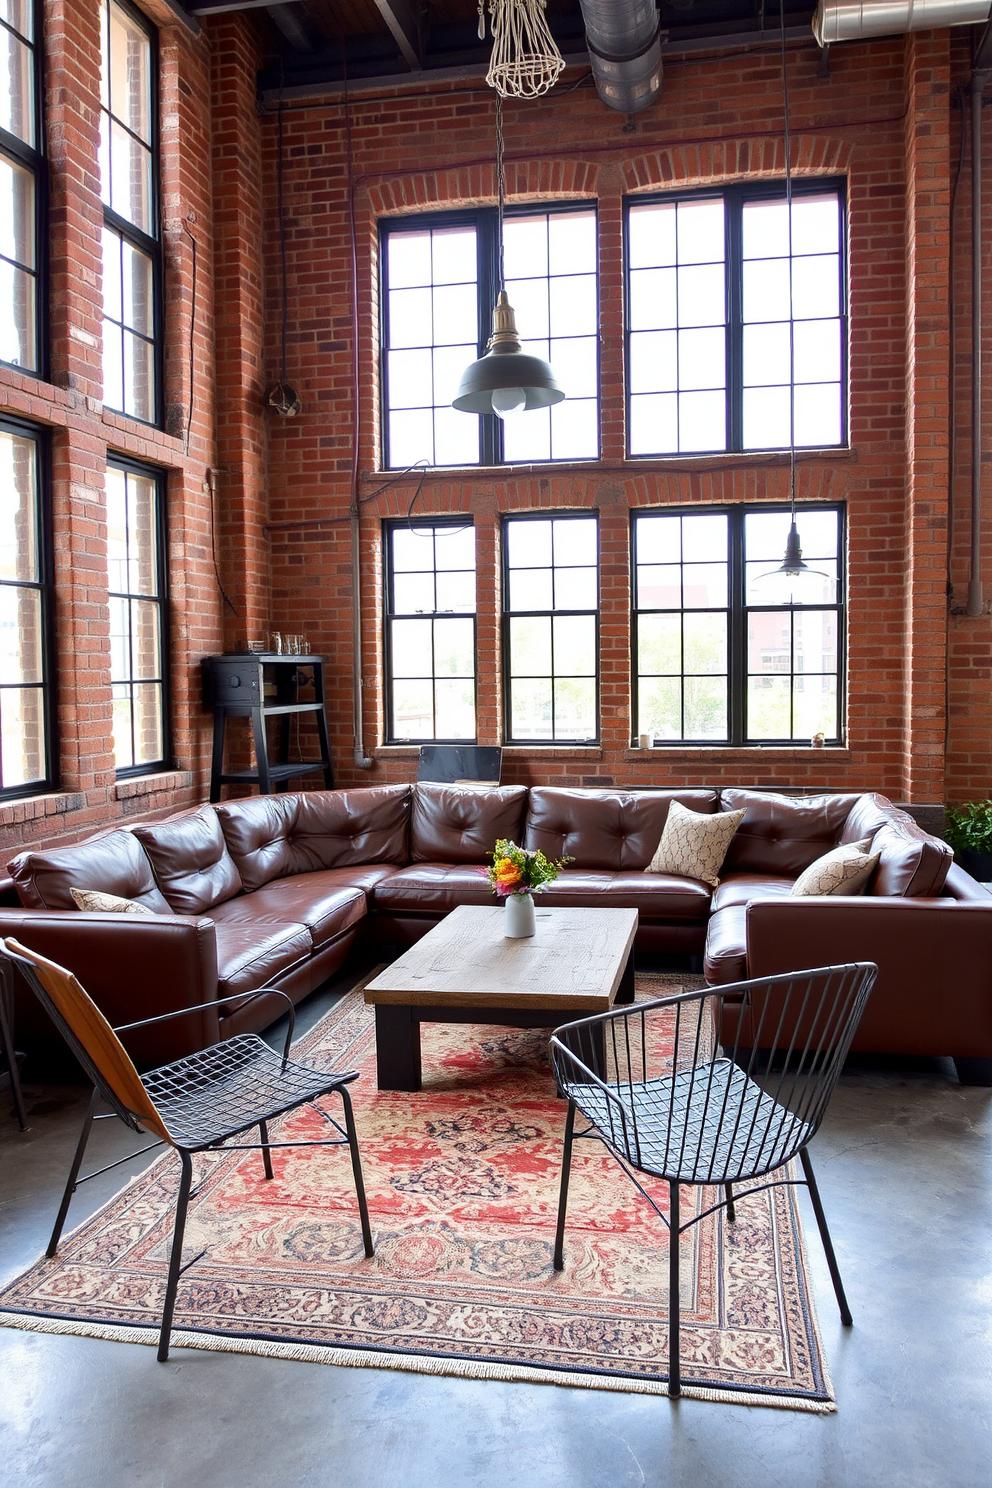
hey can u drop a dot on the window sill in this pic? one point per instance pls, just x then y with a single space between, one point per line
717 460
149 785
750 752
34 808
554 751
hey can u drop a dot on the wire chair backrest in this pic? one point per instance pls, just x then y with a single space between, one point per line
90 1037
655 1083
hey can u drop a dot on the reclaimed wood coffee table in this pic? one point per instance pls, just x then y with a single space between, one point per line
464 970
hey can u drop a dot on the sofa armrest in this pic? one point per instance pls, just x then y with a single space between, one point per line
934 956
133 967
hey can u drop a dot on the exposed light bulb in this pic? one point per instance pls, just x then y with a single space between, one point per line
509 400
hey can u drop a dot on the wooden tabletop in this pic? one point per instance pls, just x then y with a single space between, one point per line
575 961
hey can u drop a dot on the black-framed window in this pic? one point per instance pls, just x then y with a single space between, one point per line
136 563
438 280
430 640
725 651
736 325
21 188
551 628
129 188
26 711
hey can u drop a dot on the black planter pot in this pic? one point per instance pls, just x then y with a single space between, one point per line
979 865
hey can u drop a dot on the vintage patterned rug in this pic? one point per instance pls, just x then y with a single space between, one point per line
462 1182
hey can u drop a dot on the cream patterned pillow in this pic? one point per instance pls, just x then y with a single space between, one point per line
93 900
844 870
694 845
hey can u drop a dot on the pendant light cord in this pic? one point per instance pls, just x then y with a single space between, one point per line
787 136
500 188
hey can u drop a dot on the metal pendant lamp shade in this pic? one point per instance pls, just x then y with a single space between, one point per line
506 379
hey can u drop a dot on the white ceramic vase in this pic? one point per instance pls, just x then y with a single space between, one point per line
518 916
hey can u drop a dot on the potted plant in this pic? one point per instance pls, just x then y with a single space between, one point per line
969 831
516 876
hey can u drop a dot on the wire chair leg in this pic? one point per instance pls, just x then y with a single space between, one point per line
821 1221
7 1049
356 1168
176 1257
70 1182
729 1194
566 1168
263 1131
674 1373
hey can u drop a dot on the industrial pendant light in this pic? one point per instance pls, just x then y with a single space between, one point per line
793 579
506 380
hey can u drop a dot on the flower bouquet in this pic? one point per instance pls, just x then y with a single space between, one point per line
516 875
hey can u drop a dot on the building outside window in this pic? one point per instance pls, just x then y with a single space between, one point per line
430 642
737 328
551 629
725 652
21 186
26 751
439 277
128 183
137 583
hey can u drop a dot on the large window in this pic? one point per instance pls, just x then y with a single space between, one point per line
551 629
430 631
439 279
136 564
20 187
725 650
736 321
131 256
25 704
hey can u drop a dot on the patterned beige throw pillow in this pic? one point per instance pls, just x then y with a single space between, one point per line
844 870
694 845
92 899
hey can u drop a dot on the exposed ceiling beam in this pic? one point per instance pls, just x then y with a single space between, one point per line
227 7
405 29
291 26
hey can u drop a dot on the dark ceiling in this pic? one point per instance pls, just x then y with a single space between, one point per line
318 45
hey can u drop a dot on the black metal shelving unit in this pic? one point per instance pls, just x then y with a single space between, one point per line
259 686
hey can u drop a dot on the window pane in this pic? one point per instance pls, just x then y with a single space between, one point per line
705 702
659 645
701 296
768 708
766 354
411 438
113 292
815 641
575 645
17 208
575 589
574 541
702 421
449 366
146 651
410 376
17 92
651 235
816 286
814 703
413 710
702 359
766 289
454 256
575 363
704 585
18 317
530 300
658 539
574 306
525 247
527 437
700 232
654 361
149 746
456 438
531 589
18 508
531 709
769 643
142 535
413 594
455 704
129 72
411 317
130 193
572 243
408 256
660 707
530 646
575 708
817 416
455 312
704 539
575 429
454 648
705 643
120 639
766 418
123 743
455 591
817 351
411 648
21 656
412 549
654 424
659 586
653 299
22 736
528 544
139 377
440 652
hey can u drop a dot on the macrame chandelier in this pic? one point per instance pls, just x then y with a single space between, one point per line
526 61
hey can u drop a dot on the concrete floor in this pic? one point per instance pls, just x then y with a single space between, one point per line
904 1167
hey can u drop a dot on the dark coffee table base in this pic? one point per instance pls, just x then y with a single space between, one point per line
397 1029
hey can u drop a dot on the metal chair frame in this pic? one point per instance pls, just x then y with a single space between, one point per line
241 1080
706 1119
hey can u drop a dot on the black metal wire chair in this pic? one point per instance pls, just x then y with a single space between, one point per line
194 1105
663 1100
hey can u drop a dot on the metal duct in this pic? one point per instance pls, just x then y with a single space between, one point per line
625 52
854 20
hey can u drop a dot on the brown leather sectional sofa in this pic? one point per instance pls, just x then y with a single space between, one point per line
272 892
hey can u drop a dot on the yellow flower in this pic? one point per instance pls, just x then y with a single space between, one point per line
507 871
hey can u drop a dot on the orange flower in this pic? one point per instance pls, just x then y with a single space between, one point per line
507 871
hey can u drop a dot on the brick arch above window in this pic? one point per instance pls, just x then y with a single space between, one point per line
472 184
711 162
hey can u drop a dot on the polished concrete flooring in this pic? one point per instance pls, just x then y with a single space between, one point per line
904 1166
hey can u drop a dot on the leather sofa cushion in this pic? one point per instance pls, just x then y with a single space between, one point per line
868 813
911 863
618 830
460 824
725 958
782 835
113 864
273 837
656 896
325 902
741 888
432 888
252 952
193 867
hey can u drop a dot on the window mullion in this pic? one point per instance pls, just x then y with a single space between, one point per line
735 322
737 681
490 427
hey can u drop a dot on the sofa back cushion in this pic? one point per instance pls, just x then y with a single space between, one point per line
460 824
273 837
783 834
112 864
612 829
911 863
191 862
868 813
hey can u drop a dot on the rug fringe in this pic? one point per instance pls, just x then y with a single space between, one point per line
307 1353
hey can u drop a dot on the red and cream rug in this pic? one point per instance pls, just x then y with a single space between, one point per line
462 1182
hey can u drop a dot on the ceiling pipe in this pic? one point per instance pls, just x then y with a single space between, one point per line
624 52
857 20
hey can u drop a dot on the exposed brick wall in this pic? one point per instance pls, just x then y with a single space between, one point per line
883 119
